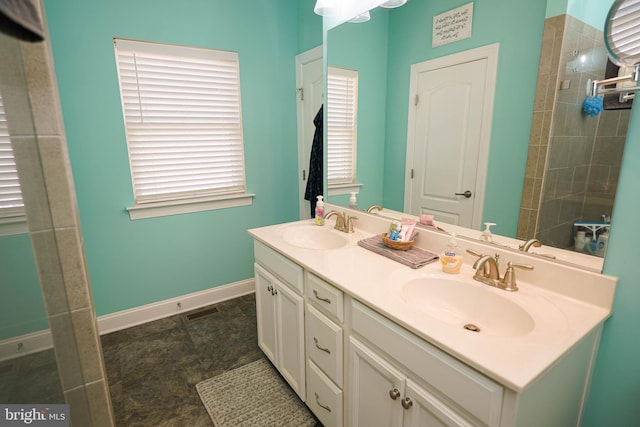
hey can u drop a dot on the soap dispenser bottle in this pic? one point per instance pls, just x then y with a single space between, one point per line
319 211
486 234
353 203
451 258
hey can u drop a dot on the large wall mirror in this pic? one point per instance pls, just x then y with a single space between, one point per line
548 164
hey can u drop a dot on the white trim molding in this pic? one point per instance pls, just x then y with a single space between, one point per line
31 343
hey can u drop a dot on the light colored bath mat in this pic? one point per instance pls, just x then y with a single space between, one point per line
253 395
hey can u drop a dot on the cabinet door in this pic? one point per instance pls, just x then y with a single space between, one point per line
375 389
290 333
423 409
266 312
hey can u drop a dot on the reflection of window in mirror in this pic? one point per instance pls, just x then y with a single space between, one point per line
342 123
11 204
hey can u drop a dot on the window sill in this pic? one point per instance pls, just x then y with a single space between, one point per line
158 209
11 226
339 189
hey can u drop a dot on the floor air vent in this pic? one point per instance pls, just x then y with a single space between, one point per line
199 314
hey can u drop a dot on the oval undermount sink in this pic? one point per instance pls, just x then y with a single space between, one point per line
310 236
468 305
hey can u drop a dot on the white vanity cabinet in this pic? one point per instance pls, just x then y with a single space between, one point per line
280 315
359 357
381 394
397 379
324 337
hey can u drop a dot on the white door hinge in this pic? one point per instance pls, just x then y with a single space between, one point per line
301 90
416 100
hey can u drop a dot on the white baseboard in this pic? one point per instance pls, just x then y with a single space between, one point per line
41 340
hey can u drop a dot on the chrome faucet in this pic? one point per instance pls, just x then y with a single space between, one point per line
487 272
344 222
531 242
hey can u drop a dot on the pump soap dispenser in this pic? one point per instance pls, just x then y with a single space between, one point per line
319 211
451 258
353 202
486 234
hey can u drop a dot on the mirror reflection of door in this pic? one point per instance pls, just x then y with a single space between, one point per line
445 139
309 84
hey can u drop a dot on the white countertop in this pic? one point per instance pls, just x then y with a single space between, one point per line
561 315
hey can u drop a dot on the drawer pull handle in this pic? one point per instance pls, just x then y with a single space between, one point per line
327 300
394 393
325 407
269 288
326 350
406 403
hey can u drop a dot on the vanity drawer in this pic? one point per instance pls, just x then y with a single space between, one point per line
324 344
466 387
323 397
326 297
281 266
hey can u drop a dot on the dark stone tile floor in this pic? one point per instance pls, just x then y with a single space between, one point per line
32 378
152 368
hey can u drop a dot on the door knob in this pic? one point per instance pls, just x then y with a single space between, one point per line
466 194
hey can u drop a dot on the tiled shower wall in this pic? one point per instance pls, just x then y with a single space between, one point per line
574 160
32 106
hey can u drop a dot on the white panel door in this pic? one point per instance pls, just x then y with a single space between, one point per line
376 389
423 409
310 85
266 312
290 326
448 136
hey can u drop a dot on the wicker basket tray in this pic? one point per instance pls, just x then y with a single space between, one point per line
394 244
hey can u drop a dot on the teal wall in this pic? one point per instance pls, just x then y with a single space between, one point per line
132 263
21 306
494 21
363 47
615 391
590 11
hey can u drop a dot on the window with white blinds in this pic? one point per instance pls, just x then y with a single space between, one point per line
342 124
11 204
183 120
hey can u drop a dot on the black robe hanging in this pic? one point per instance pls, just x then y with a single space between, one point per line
314 181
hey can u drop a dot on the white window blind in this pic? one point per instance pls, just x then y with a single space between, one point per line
183 120
342 124
11 204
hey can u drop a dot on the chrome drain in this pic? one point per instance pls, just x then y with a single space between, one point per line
471 327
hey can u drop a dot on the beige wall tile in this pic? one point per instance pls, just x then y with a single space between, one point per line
64 342
60 188
27 157
50 272
85 328
100 403
43 93
73 268
79 406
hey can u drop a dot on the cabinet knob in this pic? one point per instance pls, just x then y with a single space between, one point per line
394 393
406 403
269 288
